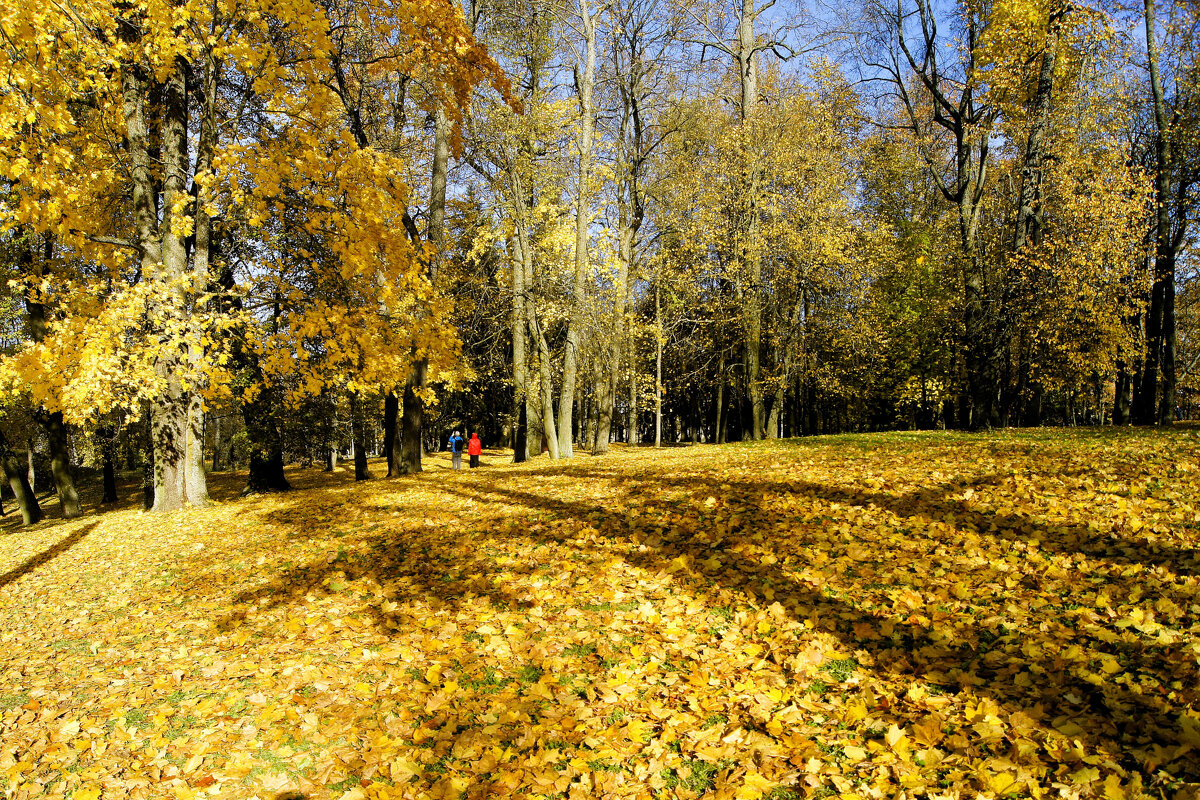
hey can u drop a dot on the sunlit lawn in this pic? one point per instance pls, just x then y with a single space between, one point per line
934 614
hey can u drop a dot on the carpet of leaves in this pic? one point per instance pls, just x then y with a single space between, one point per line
909 615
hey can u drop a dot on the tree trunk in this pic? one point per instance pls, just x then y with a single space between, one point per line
658 358
358 424
1122 395
1166 405
391 414
718 429
606 397
110 478
412 418
1160 323
51 422
195 478
526 440
412 422
60 463
18 479
750 254
266 472
331 441
1029 209
546 380
218 443
178 449
772 431
585 80
519 361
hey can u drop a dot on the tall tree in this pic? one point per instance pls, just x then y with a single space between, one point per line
585 86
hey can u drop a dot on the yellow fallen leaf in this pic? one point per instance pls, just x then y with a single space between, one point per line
854 752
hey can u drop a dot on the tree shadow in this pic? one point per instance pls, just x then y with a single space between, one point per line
1022 667
47 555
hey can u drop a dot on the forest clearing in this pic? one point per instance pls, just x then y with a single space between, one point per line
896 615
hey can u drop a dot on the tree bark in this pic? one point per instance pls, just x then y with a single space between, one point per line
110 479
635 434
60 463
52 422
1152 400
719 424
519 362
391 413
658 359
266 473
1029 209
412 422
195 478
178 449
546 385
585 79
630 216
412 417
18 480
358 425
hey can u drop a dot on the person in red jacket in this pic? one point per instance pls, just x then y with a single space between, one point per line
474 448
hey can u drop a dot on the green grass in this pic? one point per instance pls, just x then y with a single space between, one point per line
697 776
840 670
10 701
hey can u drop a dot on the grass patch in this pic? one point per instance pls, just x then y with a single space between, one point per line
841 670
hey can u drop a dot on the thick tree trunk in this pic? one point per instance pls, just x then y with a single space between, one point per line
391 415
751 255
1122 396
266 472
195 477
110 478
51 422
412 419
1166 405
527 436
606 396
18 480
175 416
1153 403
546 387
772 431
60 463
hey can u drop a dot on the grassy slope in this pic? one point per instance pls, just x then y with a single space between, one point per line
1008 614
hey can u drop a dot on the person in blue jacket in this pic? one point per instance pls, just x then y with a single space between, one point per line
456 447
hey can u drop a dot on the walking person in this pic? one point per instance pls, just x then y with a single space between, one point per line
455 444
474 449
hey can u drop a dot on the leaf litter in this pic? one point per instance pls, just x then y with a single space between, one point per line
902 615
